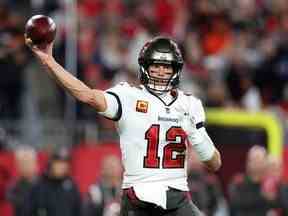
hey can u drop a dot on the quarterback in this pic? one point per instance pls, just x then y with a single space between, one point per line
156 122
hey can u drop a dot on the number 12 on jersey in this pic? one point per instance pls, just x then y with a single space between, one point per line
152 159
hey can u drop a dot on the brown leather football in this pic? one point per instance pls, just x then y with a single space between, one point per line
41 30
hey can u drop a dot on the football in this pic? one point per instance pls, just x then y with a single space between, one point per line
41 30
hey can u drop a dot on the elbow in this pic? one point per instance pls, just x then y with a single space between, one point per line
96 99
86 100
82 95
86 97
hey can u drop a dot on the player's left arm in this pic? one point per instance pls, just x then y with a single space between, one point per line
205 148
199 138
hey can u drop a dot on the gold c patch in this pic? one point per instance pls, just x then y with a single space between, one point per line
142 106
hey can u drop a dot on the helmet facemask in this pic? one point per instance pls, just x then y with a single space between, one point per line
159 85
161 51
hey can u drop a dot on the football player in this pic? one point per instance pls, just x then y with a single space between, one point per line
156 122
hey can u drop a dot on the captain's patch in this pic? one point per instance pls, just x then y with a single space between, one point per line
142 106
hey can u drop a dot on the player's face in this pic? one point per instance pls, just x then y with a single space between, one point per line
160 75
160 71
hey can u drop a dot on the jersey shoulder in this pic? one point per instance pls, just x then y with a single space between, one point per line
126 94
189 98
194 106
124 88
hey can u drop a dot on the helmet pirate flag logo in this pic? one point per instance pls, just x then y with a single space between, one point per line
142 106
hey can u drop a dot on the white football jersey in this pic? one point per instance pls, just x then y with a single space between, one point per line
151 138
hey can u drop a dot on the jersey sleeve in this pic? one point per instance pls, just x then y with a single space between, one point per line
202 144
197 112
197 134
113 101
113 110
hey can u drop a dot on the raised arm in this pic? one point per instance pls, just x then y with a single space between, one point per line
75 87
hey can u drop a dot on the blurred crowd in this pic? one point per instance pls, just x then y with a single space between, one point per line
258 191
235 51
236 56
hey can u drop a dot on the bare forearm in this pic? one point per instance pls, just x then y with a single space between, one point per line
74 86
70 83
